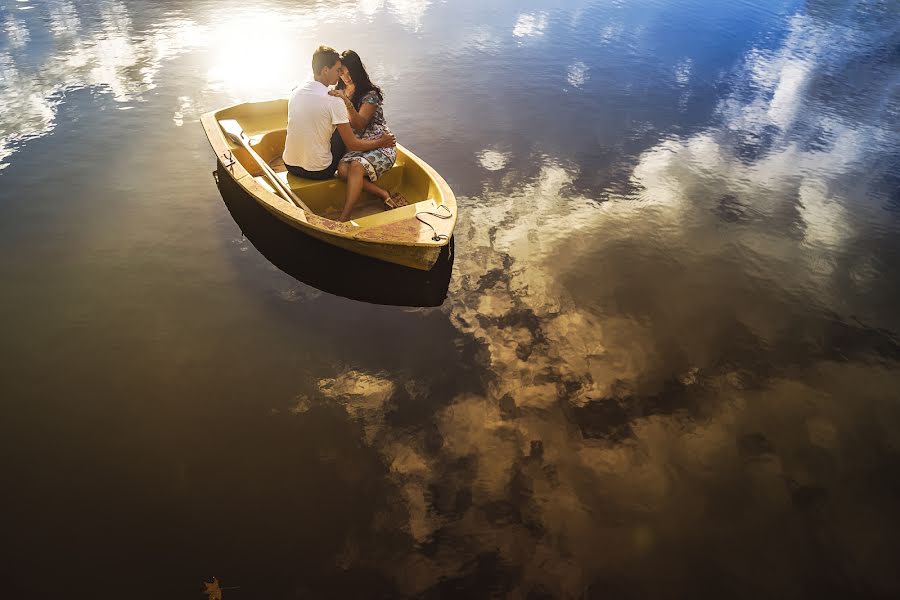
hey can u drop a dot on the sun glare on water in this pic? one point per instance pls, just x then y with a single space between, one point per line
253 55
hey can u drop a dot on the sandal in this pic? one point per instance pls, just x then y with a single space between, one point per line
396 201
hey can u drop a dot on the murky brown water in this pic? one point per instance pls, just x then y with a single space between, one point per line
662 360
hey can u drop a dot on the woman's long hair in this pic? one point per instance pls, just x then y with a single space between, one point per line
360 78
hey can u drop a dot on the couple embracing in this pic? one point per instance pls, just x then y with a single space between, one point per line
341 129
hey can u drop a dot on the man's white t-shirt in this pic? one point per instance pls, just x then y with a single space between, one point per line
312 117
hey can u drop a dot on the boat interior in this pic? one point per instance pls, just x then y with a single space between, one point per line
264 125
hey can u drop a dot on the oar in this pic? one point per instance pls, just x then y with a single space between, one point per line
235 133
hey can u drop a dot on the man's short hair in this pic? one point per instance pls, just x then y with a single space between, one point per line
324 56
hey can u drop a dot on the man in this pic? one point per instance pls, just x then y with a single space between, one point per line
313 148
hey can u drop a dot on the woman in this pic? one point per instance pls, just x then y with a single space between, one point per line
364 105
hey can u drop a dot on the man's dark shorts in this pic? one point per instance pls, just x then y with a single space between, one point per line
338 149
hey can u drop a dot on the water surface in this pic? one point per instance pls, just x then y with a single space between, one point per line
663 361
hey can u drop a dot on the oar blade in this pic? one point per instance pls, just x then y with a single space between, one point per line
232 129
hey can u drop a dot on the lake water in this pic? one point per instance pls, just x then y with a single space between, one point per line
661 361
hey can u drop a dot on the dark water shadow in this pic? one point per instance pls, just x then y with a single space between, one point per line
331 269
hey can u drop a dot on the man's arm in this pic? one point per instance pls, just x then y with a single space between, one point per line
354 143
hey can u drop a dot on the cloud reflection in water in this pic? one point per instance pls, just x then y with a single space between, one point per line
611 439
530 25
107 47
110 56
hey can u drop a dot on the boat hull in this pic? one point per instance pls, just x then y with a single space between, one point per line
329 268
415 257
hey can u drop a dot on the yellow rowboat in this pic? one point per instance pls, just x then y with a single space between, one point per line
248 140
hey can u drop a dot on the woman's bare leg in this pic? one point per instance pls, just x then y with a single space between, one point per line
356 173
375 190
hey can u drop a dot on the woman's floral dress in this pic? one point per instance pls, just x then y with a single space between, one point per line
376 162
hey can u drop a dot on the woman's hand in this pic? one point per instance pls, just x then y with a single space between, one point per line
342 94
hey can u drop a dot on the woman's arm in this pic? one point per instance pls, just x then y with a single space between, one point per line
359 119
